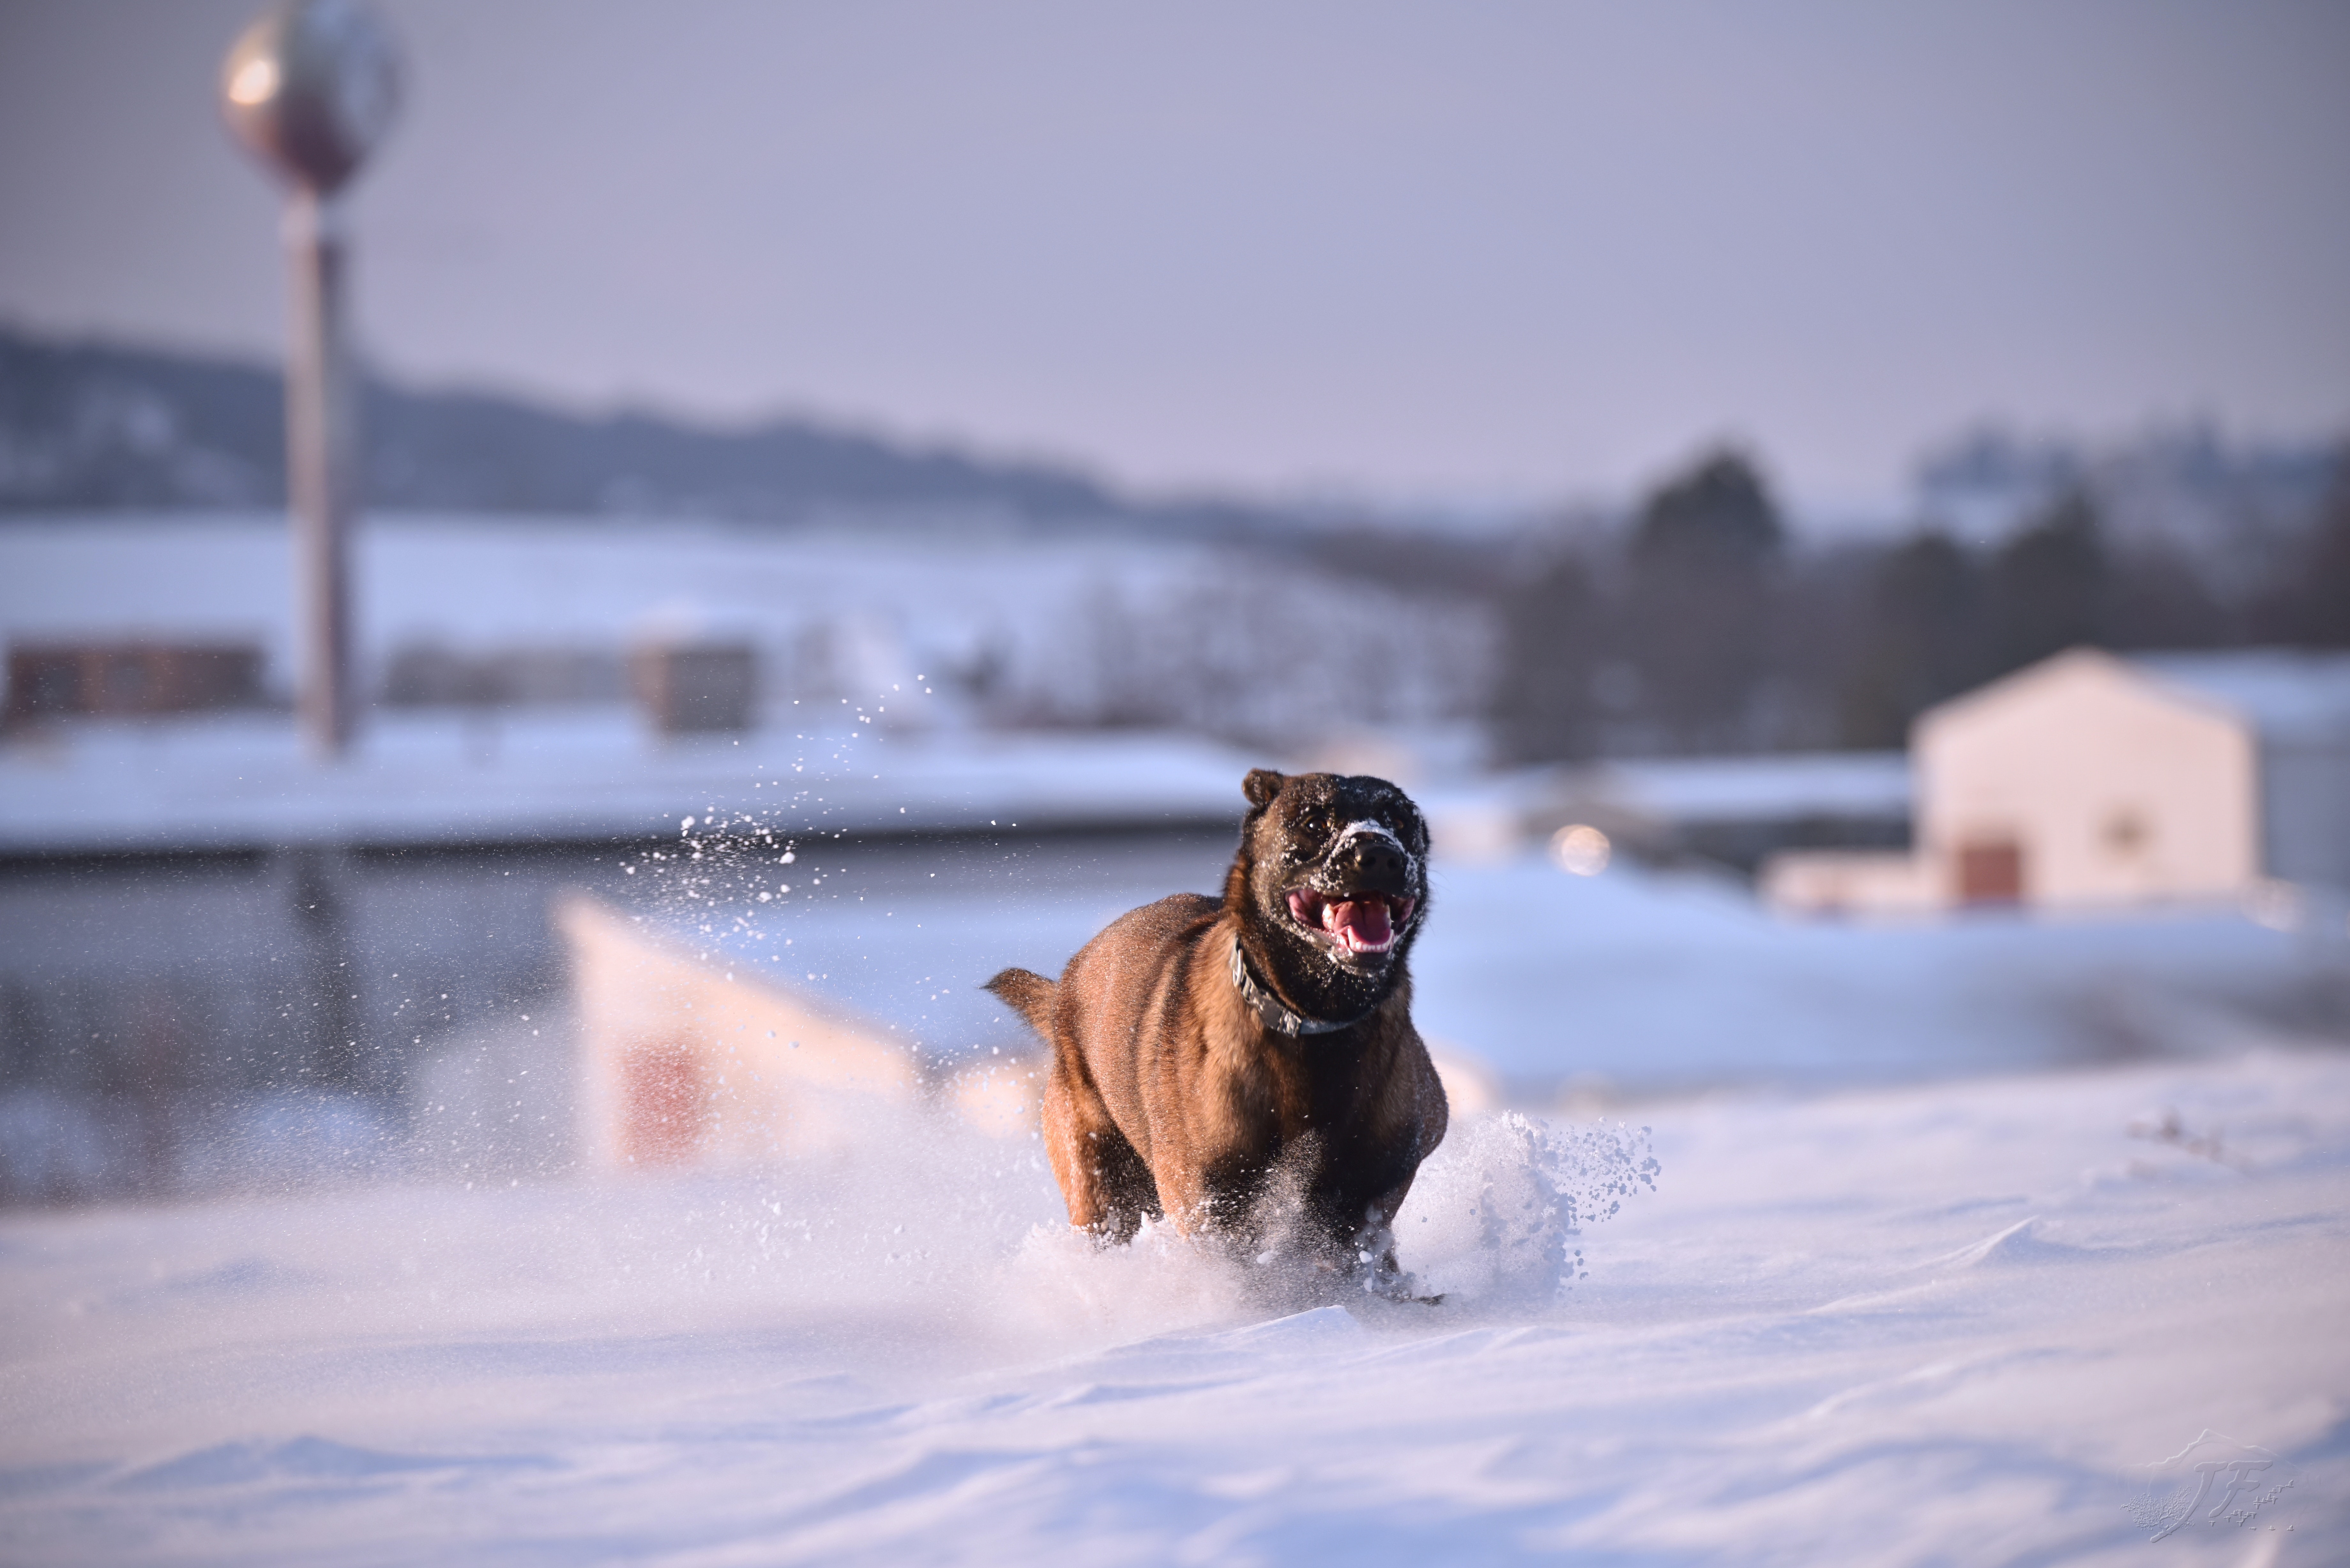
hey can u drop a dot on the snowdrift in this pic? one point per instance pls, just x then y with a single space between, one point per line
1998 1322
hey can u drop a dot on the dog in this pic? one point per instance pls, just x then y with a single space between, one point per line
1210 1054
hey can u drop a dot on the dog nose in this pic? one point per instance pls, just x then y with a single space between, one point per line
1375 860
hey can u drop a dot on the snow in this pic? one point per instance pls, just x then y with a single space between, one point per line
1903 1326
1651 980
1896 1300
1752 789
576 775
1035 628
473 582
2284 694
1954 1242
1633 983
941 643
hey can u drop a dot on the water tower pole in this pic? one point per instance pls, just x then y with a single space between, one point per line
311 88
320 428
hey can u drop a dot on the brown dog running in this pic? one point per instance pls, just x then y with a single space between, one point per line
1206 1051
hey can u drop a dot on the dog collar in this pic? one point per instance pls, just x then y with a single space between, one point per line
1276 1017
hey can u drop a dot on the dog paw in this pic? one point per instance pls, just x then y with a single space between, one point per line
1390 1286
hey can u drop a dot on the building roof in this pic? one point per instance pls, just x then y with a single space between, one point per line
2285 694
2281 694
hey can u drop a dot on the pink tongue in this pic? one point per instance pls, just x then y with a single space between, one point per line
1363 919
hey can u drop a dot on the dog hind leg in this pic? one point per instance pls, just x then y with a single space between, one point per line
1107 1187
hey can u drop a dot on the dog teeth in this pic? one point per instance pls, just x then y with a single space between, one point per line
1338 917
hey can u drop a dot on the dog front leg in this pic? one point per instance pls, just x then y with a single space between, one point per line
1375 1248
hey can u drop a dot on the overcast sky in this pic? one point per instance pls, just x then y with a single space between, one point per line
1482 250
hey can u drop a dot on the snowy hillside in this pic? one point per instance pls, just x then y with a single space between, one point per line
1009 630
1987 1318
1951 1324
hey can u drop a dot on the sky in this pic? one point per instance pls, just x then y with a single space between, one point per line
1499 252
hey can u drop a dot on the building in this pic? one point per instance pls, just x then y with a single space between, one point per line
2090 779
682 1063
128 678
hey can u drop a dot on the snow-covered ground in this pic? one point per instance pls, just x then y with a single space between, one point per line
1682 981
1957 1242
1869 784
1959 1323
1006 625
576 775
1882 1296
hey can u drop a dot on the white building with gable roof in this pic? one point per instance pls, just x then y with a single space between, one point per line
2092 779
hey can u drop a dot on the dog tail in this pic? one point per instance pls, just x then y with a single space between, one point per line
1029 994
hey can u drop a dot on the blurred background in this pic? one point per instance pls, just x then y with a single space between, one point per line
1842 516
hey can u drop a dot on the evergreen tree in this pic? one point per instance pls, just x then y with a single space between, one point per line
1922 638
2317 600
2050 585
1553 641
1703 560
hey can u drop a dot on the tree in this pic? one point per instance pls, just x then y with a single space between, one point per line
1553 643
2050 585
2312 608
2158 599
1703 561
1922 638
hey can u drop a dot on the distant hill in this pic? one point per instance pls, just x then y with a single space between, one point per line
87 425
92 426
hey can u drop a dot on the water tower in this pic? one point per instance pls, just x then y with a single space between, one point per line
311 88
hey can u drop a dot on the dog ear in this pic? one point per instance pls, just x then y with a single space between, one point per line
1262 785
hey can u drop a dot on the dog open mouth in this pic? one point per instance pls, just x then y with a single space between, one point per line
1363 922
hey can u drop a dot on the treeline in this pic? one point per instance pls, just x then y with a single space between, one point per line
1698 626
97 426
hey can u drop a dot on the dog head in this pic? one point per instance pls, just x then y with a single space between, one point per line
1331 885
